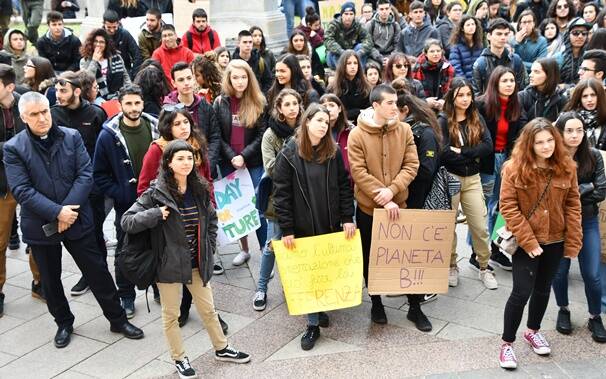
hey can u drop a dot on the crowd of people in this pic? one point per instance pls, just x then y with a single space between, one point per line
507 98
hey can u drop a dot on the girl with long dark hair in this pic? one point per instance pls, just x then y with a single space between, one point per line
592 187
299 45
154 84
260 44
340 126
399 66
350 85
289 75
208 75
589 101
543 97
541 205
178 207
434 72
466 141
312 164
466 45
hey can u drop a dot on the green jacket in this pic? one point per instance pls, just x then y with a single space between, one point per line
148 42
337 38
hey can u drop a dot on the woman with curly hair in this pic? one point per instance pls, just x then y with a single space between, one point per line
154 84
208 75
562 11
100 57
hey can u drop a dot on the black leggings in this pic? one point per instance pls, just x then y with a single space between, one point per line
532 279
364 223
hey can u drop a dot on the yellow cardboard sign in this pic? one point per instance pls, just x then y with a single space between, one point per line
328 8
322 273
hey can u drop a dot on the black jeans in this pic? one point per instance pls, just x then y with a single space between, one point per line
364 223
97 203
126 290
93 266
532 279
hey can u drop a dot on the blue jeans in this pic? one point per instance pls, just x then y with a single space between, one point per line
332 59
313 319
268 258
491 186
589 262
292 8
255 175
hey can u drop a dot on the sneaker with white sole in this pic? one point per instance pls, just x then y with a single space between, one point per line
218 269
488 279
428 297
241 258
259 301
538 343
231 355
507 359
184 369
453 277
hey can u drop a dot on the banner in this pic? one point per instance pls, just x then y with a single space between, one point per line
328 9
235 196
322 273
411 255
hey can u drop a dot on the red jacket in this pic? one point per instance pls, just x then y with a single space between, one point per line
151 166
168 58
200 41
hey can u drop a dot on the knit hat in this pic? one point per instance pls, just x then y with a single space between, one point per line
348 7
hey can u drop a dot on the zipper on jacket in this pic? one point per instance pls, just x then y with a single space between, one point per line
302 192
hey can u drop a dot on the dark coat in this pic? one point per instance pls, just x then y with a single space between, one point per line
128 49
593 187
175 256
487 62
252 136
428 150
63 54
291 194
5 135
535 104
262 71
515 127
462 58
44 180
352 100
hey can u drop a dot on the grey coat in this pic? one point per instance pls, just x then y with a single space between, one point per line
385 37
175 258
412 39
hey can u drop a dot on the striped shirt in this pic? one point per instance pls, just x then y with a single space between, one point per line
191 221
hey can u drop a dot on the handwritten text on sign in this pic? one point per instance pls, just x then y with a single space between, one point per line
322 273
411 255
235 196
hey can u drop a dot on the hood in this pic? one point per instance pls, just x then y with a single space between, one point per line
7 45
489 54
196 33
254 56
366 122
443 21
146 31
176 50
173 98
113 126
66 33
426 24
390 19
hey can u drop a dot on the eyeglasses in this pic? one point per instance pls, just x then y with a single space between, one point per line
577 33
399 66
63 82
583 68
562 6
173 107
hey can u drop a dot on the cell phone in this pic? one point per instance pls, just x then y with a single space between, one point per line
51 228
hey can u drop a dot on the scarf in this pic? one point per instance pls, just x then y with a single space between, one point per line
590 119
445 75
281 128
161 142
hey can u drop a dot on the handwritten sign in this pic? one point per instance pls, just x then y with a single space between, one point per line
411 255
235 196
328 9
322 273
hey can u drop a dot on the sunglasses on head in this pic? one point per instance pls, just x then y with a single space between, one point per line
577 33
173 107
63 82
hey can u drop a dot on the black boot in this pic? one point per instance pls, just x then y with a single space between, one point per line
598 333
563 324
418 317
377 312
310 337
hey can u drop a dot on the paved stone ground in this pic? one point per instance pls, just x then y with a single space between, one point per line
464 343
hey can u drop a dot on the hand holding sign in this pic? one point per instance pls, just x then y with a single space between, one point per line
289 242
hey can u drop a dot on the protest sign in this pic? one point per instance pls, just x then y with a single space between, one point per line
321 273
328 9
412 254
235 196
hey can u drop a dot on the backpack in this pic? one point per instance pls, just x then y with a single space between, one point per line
190 39
138 260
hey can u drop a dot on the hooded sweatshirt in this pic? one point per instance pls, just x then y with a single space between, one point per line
381 156
385 36
17 61
412 39
168 57
201 42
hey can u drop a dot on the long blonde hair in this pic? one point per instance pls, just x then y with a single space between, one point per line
252 103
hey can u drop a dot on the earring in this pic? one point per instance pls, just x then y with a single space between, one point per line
281 117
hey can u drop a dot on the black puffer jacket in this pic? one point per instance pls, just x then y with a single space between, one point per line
593 187
428 150
535 104
5 135
291 194
175 264
252 136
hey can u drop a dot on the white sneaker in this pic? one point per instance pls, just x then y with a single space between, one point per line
453 277
488 279
241 258
507 359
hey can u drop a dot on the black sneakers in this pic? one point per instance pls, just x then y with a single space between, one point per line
184 369
80 288
428 297
231 355
499 259
476 265
14 243
597 329
418 317
324 320
218 269
183 317
563 324
311 335
37 291
260 301
1 304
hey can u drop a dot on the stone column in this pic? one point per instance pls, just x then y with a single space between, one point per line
95 16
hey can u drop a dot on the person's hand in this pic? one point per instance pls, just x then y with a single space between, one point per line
521 34
165 212
63 226
535 252
289 241
312 34
237 162
393 211
384 196
98 54
68 214
456 149
439 104
350 230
